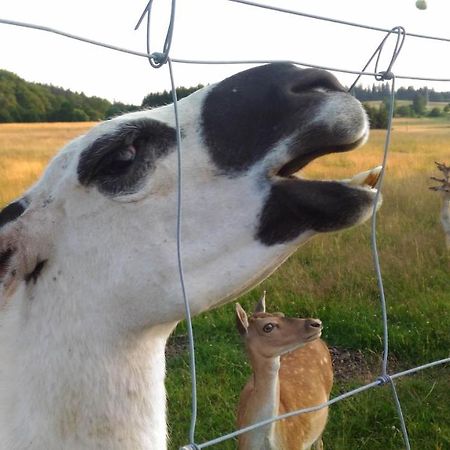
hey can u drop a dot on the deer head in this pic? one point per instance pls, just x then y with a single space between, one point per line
272 334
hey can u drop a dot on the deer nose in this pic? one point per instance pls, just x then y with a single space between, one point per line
313 323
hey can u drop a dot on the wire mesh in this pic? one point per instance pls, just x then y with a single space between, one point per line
158 59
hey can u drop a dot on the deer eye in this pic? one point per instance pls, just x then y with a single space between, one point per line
268 327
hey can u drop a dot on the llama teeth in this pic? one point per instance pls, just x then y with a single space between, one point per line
368 178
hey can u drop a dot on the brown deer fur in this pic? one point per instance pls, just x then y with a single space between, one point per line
283 382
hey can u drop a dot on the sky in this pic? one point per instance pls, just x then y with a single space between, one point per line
213 30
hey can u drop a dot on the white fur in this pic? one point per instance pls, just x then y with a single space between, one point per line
82 350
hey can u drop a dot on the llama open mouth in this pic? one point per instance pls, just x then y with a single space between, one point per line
367 179
299 162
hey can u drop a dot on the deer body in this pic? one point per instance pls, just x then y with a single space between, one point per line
280 384
89 283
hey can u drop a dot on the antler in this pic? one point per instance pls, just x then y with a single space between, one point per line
445 186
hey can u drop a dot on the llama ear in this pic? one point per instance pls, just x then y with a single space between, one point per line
241 320
261 305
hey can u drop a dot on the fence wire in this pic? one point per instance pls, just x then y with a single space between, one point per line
158 59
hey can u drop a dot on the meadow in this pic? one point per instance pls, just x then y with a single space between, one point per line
332 278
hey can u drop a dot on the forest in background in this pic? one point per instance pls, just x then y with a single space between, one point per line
22 101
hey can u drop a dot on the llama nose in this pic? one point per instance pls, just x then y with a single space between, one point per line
313 323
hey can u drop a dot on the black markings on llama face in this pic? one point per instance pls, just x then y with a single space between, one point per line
296 206
118 163
12 211
5 257
35 273
246 115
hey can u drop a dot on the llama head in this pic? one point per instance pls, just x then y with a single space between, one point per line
99 228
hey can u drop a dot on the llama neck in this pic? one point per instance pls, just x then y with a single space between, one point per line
62 388
263 403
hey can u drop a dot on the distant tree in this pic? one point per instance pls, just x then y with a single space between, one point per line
156 99
8 106
30 107
118 108
65 112
447 108
78 115
435 112
404 111
378 116
420 104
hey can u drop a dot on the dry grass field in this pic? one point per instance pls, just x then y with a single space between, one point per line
25 150
332 278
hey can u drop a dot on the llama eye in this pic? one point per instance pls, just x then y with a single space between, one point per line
120 161
268 327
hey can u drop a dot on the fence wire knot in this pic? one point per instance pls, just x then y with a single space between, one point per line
384 379
384 75
158 59
190 447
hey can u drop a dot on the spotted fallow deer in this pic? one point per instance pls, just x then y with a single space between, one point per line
89 283
292 370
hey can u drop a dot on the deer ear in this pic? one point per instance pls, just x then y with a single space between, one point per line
241 320
261 305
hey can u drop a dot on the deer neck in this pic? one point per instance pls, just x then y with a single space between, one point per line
68 385
264 402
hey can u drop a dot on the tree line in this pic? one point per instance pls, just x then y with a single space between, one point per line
417 105
22 101
383 91
378 115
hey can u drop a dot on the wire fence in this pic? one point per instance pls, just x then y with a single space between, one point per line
157 60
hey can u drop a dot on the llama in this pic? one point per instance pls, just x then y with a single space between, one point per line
89 286
292 370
